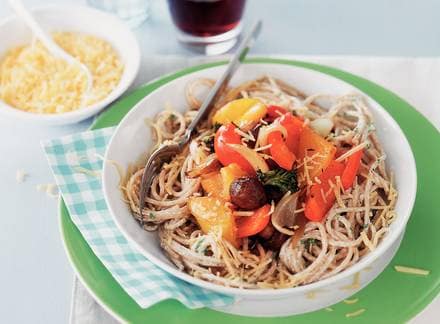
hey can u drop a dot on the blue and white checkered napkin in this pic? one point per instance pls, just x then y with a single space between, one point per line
76 164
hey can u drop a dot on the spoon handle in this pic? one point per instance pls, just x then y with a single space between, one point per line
29 20
222 83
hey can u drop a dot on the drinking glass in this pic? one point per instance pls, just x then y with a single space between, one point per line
133 12
207 26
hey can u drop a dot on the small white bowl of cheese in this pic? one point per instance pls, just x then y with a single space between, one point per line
39 88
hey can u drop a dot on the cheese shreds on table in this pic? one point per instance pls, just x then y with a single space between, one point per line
410 270
356 313
351 301
33 80
20 176
50 189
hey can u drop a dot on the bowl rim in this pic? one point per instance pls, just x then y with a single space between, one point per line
382 247
88 111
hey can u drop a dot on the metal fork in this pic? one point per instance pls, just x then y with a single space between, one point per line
165 152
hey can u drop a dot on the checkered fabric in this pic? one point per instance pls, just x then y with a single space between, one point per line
76 164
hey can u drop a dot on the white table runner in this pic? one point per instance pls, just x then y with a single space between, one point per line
416 80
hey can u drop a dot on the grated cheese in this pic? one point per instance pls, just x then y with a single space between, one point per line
410 270
34 81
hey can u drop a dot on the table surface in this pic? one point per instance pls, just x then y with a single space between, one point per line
35 276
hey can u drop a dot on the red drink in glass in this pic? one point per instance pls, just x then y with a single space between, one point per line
211 26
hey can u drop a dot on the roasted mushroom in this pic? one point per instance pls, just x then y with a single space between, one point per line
247 193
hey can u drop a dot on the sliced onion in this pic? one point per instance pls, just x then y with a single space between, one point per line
301 222
265 131
284 216
323 126
256 161
211 164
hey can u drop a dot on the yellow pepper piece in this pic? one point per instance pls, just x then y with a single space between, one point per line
213 216
212 184
244 113
230 173
310 143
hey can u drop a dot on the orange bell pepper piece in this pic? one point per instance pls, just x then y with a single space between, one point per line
214 216
321 198
294 127
251 225
311 143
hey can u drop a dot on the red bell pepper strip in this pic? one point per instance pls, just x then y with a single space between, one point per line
317 205
273 112
226 155
279 151
251 225
351 169
293 126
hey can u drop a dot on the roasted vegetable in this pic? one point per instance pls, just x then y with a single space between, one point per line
273 112
225 136
213 185
323 126
284 216
211 164
279 151
247 193
321 197
228 175
217 183
271 239
244 112
351 169
251 225
294 127
280 179
255 160
213 216
312 144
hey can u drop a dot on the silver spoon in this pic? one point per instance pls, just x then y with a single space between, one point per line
166 151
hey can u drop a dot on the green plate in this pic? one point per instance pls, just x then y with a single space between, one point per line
392 298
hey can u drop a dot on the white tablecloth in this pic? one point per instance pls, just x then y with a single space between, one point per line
417 80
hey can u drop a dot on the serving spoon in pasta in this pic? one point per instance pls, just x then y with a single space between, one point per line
166 151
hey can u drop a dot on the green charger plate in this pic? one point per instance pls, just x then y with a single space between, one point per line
391 298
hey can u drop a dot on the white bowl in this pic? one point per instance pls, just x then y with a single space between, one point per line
76 19
132 139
